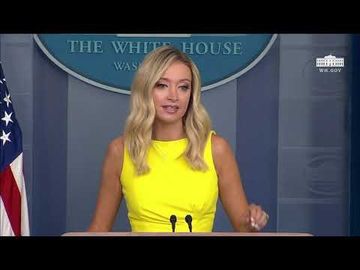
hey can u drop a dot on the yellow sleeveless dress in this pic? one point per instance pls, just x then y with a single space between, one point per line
170 188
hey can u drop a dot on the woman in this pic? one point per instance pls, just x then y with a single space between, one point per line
169 165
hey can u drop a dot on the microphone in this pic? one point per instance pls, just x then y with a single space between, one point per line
173 221
188 220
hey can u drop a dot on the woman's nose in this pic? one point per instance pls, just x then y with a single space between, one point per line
172 94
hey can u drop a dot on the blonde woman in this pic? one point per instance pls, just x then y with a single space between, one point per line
169 165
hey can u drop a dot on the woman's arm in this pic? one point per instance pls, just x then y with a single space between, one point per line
243 217
110 193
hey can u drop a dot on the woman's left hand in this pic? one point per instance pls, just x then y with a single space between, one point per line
258 217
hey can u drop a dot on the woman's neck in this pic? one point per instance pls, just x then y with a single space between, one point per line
168 132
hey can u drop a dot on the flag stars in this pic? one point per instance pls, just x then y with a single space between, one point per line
7 118
5 137
7 100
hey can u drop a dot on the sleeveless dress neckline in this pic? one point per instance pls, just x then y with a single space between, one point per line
170 150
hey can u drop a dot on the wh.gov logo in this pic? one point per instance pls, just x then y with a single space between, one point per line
330 63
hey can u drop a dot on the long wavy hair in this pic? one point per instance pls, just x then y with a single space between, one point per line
138 129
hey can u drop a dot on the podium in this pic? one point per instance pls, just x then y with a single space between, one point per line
186 234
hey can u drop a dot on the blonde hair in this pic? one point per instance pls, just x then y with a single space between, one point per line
138 129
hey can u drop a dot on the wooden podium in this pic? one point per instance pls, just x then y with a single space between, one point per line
186 234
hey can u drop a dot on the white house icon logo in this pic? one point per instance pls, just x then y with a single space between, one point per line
330 63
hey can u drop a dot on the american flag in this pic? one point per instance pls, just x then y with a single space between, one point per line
14 219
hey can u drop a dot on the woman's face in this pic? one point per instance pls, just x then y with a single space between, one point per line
172 92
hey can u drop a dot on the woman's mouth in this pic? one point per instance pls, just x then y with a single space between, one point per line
170 108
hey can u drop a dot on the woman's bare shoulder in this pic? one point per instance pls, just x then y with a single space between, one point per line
220 146
116 146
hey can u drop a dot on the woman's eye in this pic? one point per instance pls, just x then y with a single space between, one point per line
161 85
184 87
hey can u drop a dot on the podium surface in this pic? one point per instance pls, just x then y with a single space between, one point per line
187 234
